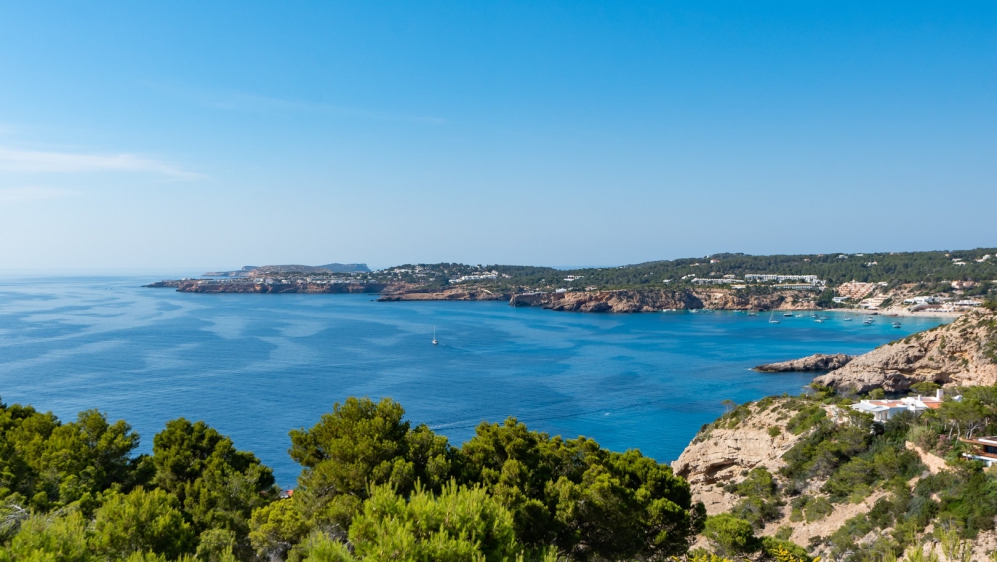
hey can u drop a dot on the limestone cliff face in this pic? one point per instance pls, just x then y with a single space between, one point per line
656 300
815 362
445 295
720 454
609 301
963 353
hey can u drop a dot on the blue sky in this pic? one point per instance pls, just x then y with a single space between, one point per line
184 135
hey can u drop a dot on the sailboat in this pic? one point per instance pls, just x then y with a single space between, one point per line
434 335
772 319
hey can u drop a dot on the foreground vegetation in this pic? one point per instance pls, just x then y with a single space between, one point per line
372 487
845 458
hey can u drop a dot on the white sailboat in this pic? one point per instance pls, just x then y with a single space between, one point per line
434 335
772 319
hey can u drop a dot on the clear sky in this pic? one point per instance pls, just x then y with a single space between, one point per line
215 135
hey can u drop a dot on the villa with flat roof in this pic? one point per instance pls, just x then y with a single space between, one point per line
883 410
983 449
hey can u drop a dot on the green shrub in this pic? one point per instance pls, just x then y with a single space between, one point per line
805 419
809 508
761 498
729 535
924 388
817 509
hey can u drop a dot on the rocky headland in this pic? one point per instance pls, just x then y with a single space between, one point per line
393 294
213 286
815 362
963 353
618 301
628 301
724 451
763 435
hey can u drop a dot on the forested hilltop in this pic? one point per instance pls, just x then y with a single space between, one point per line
892 267
719 281
372 487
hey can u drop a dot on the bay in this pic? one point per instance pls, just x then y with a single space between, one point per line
256 366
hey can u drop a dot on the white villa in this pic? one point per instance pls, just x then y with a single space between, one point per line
883 410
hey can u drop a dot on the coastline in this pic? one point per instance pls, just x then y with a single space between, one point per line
598 301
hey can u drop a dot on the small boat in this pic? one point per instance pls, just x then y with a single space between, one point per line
434 335
868 321
752 313
799 316
848 319
896 324
787 314
772 319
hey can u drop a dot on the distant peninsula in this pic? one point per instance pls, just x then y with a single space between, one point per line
258 271
895 283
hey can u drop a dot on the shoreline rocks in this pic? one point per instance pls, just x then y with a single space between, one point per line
815 362
211 286
630 301
963 353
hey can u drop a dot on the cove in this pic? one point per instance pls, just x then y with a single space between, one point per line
256 366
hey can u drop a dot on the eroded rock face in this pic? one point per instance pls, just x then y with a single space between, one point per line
963 353
446 295
723 454
656 300
816 362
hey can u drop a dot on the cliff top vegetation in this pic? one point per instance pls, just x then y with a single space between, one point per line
935 270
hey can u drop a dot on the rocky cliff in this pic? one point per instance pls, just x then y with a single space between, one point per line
467 294
963 353
725 450
202 286
815 362
656 300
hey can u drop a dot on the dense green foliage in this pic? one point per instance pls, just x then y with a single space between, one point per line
760 501
929 268
372 487
846 458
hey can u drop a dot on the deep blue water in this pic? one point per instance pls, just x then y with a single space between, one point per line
256 366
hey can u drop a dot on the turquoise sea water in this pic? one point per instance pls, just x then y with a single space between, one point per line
256 366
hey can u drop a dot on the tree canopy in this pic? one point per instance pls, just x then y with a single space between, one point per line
372 487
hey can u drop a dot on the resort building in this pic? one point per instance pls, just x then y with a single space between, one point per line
766 278
872 303
882 410
983 449
921 300
715 281
855 289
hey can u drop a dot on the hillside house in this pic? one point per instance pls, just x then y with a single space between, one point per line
883 410
983 449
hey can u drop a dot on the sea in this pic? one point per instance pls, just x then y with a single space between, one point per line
256 366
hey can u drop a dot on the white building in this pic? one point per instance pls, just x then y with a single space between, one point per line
767 278
883 410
